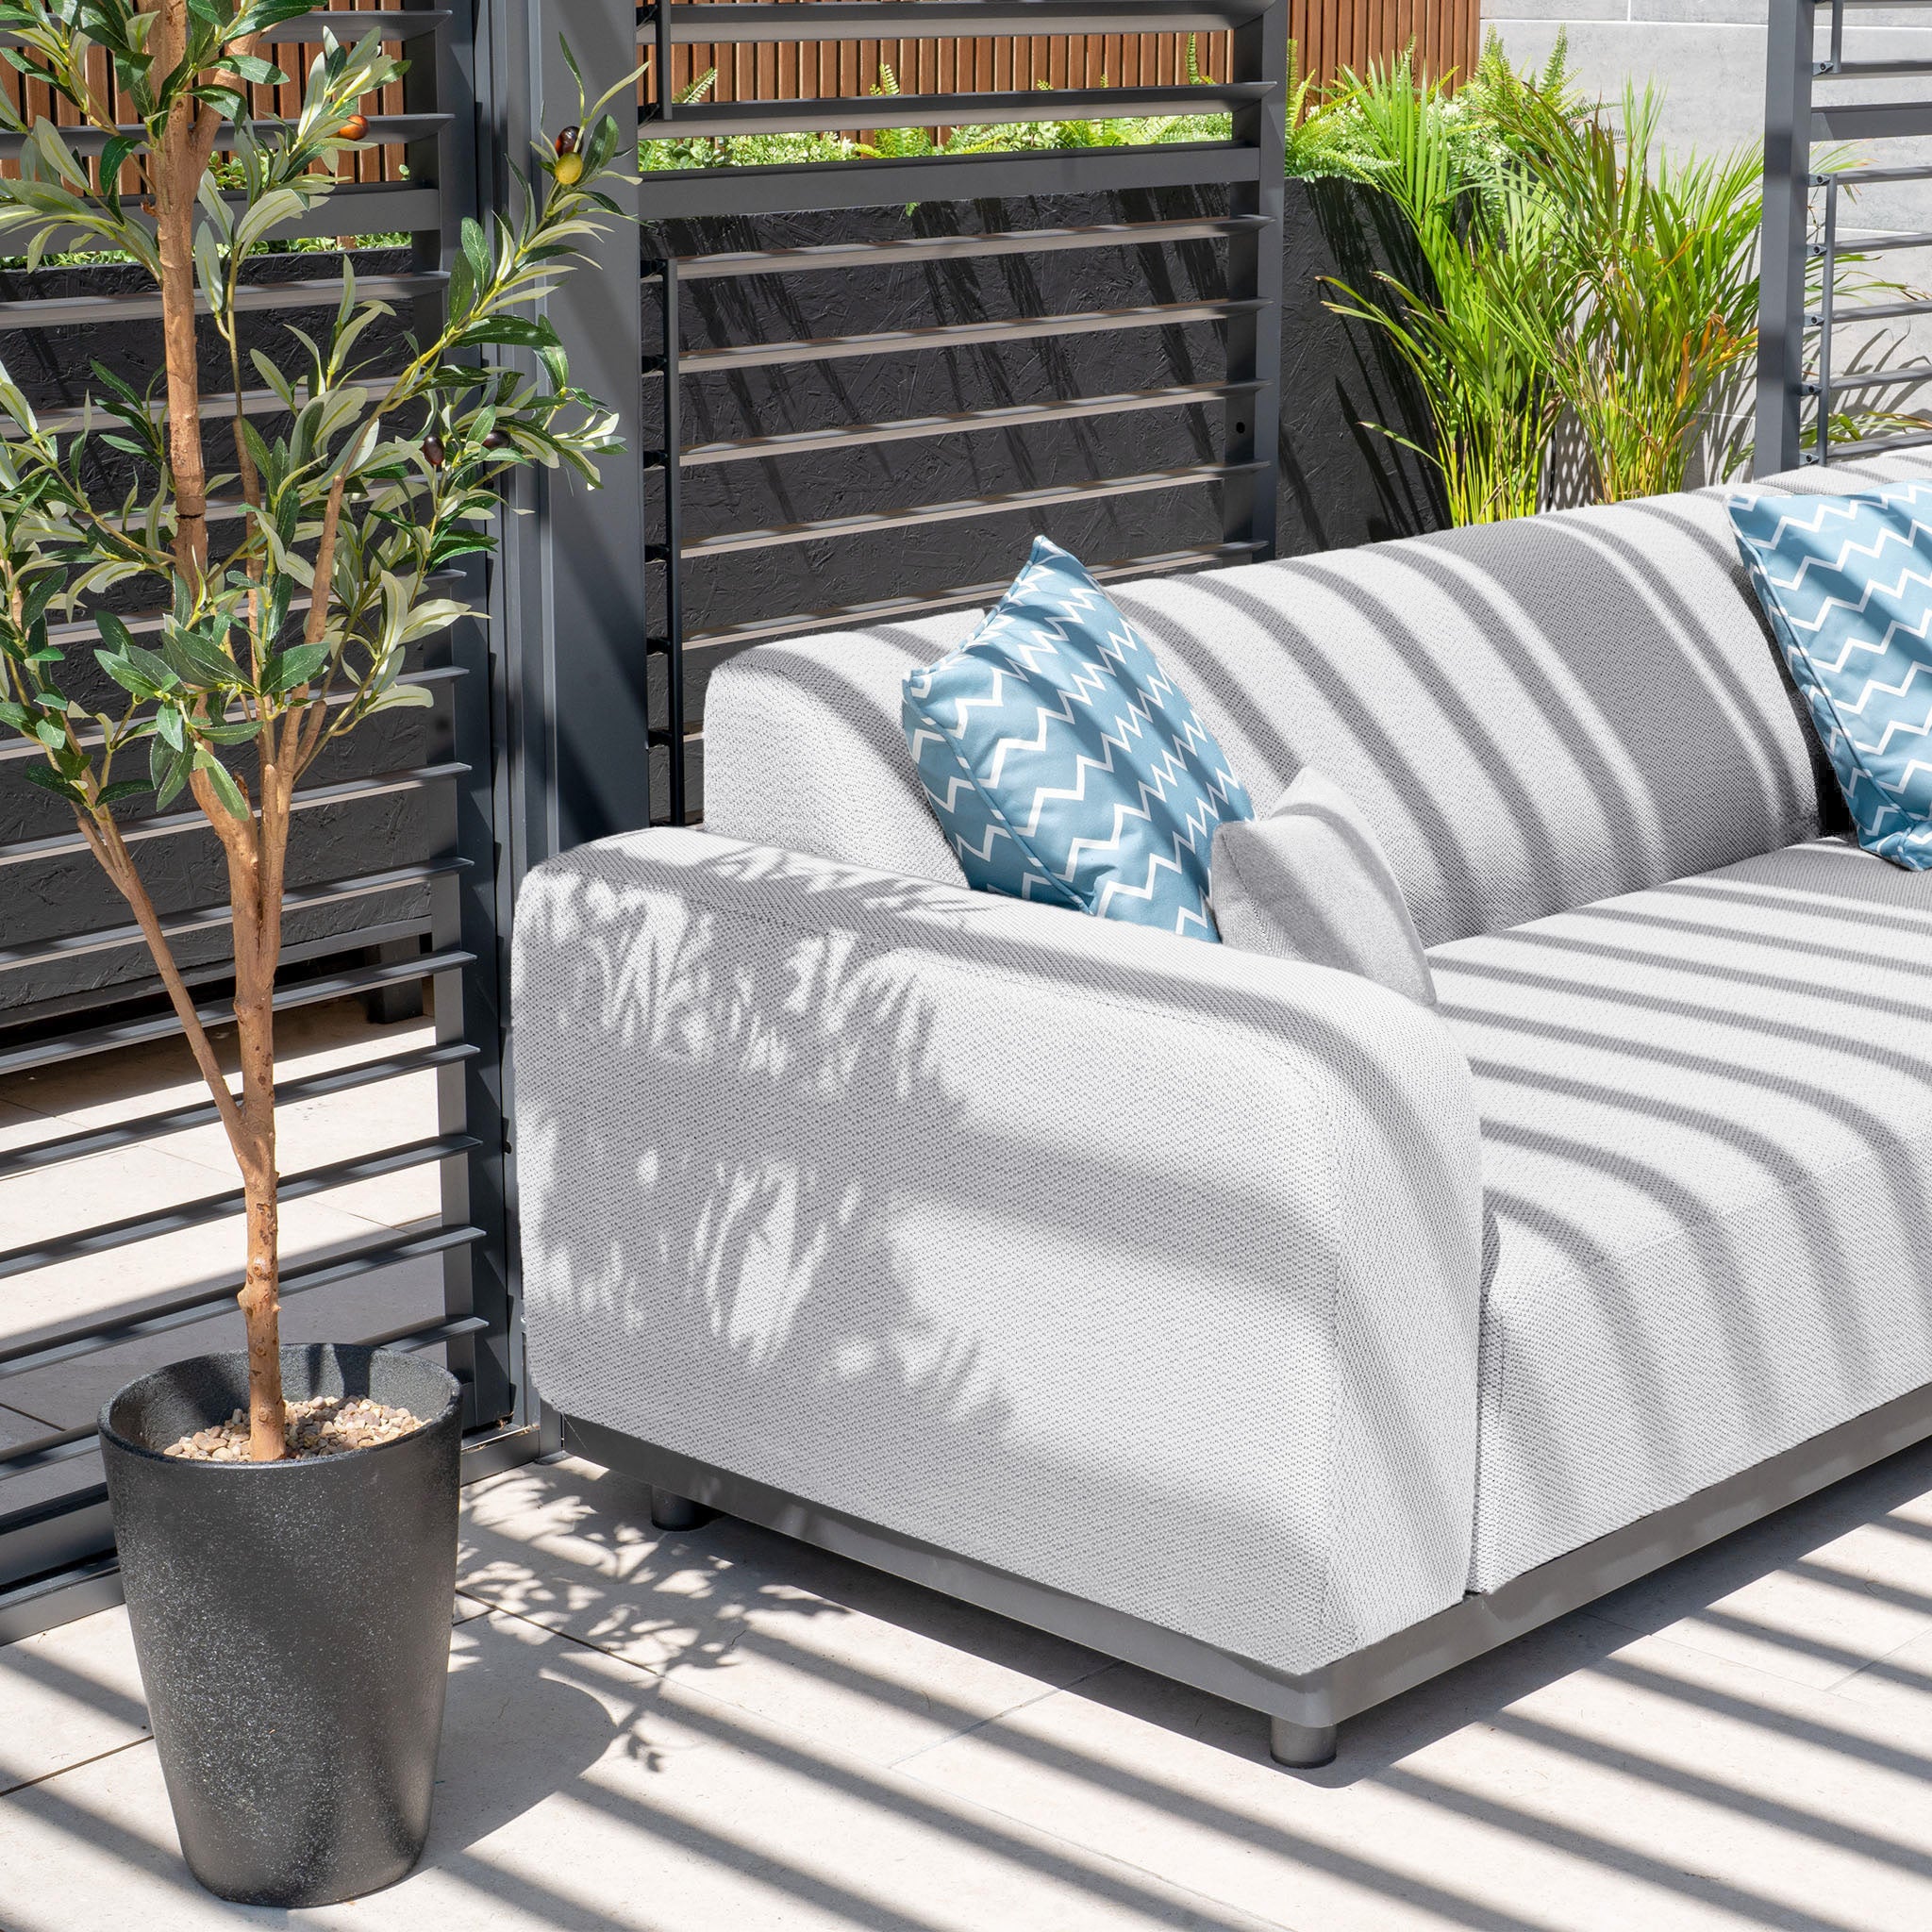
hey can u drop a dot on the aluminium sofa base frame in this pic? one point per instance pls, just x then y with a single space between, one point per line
1302 1711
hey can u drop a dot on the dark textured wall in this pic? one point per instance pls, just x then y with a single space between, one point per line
1341 482
51 894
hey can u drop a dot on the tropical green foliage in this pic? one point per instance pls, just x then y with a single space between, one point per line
1567 266
1655 311
1493 283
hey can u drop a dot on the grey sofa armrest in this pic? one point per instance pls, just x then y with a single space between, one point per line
1145 1269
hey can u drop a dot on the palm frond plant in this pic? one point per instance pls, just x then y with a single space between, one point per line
1474 327
1663 292
284 626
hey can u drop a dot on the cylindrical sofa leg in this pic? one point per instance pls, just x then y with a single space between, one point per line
672 1511
1301 1747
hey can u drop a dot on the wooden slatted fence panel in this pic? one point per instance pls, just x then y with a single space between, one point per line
1333 36
37 101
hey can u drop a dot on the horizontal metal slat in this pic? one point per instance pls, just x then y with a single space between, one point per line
45 1451
1860 177
808 187
79 311
1870 120
1877 446
91 141
23 851
895 110
1869 70
155 1126
845 20
309 992
1877 241
737 636
960 335
896 249
210 1207
960 422
1877 378
422 1335
1843 317
19 750
371 207
208 918
410 23
820 529
183 1311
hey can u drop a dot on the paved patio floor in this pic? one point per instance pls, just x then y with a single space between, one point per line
725 1732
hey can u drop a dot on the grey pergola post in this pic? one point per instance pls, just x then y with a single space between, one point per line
1784 239
572 591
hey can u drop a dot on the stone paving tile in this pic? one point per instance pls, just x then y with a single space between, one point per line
67 1696
762 1623
581 1793
1589 1778
1584 1780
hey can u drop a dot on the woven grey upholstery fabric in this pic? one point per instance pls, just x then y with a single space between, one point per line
803 749
1531 715
1309 881
1708 1152
1146 1270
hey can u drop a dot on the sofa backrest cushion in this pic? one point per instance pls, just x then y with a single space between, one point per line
1530 715
804 748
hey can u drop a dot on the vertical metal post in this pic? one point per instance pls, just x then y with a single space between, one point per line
584 689
469 1095
1827 263
1783 239
673 639
1251 429
660 56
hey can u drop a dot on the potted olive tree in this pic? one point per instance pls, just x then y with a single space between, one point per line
286 1517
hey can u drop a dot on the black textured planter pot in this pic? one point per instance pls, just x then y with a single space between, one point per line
291 1621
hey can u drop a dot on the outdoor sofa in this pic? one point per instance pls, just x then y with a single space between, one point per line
1233 1316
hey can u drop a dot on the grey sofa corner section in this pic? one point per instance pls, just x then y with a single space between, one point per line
1232 1313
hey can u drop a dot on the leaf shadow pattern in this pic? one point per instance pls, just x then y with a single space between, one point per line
802 1201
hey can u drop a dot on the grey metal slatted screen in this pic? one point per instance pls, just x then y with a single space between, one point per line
1803 247
54 1556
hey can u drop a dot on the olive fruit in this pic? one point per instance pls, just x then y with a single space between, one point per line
433 450
355 127
569 170
567 140
497 439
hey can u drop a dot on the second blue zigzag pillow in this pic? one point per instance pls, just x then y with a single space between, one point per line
1064 764
1847 584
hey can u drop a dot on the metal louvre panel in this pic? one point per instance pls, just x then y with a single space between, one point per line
54 1556
1797 383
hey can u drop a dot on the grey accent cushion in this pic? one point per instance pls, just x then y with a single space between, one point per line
1708 1159
803 749
1310 882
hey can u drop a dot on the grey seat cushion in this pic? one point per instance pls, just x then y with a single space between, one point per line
1707 1161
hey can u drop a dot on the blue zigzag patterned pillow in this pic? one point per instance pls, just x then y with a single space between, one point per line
1064 764
1847 584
